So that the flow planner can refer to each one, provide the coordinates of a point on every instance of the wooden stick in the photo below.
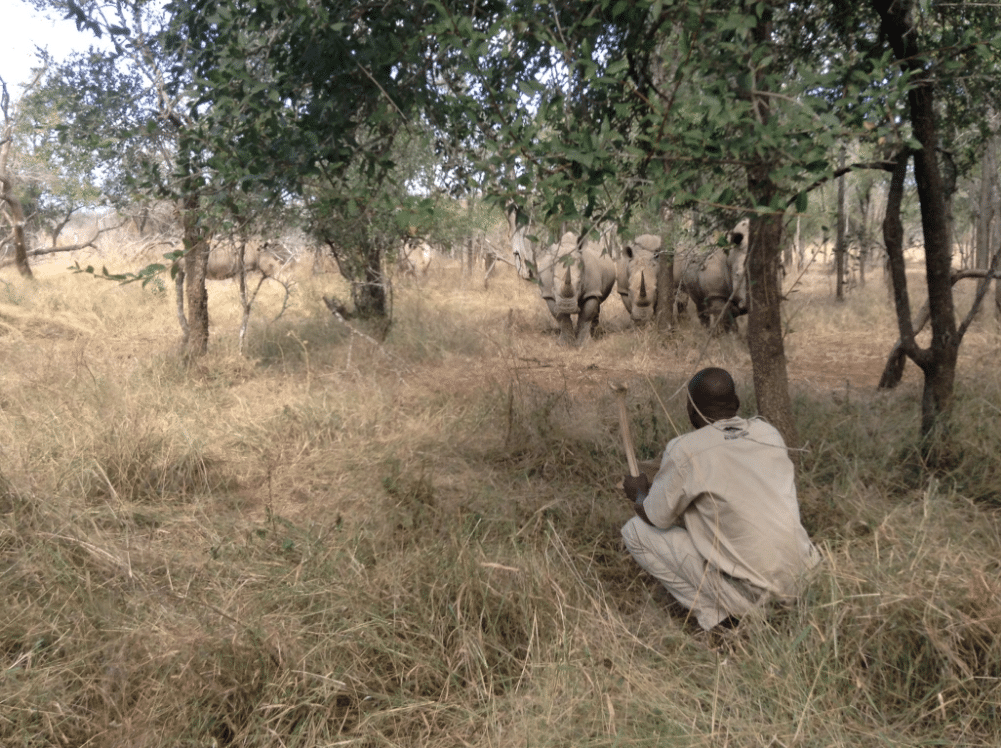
(620, 391)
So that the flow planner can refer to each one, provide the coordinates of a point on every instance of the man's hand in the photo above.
(636, 487)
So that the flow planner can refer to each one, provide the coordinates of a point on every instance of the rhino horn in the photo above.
(567, 290)
(642, 287)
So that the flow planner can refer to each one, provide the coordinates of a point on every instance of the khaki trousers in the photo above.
(670, 556)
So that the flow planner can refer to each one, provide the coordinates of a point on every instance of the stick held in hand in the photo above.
(620, 391)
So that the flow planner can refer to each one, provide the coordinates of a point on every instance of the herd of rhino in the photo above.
(575, 278)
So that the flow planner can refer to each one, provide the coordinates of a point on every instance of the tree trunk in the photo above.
(196, 262)
(982, 247)
(800, 260)
(893, 240)
(764, 327)
(938, 362)
(764, 261)
(667, 286)
(997, 299)
(369, 293)
(940, 367)
(839, 246)
(7, 185)
(993, 230)
(17, 219)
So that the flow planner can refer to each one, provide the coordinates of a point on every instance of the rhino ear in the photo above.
(628, 251)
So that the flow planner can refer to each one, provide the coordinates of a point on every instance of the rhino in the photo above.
(717, 281)
(636, 277)
(224, 262)
(414, 258)
(575, 280)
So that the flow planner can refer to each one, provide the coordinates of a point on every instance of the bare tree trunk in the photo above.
(17, 216)
(7, 184)
(839, 246)
(8, 196)
(997, 299)
(993, 227)
(196, 261)
(369, 293)
(764, 327)
(800, 258)
(241, 276)
(667, 287)
(985, 206)
(179, 300)
(893, 240)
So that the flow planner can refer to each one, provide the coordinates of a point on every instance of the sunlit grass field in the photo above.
(353, 537)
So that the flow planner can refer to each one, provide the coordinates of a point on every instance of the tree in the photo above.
(146, 82)
(308, 101)
(8, 183)
(925, 49)
(81, 138)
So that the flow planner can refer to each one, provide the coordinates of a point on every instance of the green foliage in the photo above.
(149, 276)
(650, 104)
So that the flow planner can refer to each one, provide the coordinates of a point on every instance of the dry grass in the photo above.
(329, 542)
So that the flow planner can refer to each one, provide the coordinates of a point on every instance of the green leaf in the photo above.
(802, 202)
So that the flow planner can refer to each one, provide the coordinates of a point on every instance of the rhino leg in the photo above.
(718, 309)
(566, 330)
(587, 320)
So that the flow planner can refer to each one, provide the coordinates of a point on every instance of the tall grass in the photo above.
(342, 541)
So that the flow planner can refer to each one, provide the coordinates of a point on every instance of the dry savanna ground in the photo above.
(345, 538)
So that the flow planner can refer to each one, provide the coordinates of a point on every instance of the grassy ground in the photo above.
(336, 542)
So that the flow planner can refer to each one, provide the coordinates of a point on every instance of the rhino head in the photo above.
(567, 275)
(638, 277)
(568, 285)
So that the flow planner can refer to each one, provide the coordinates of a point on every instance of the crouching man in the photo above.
(719, 526)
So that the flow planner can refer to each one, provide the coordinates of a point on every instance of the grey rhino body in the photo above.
(575, 281)
(636, 277)
(224, 262)
(415, 258)
(717, 281)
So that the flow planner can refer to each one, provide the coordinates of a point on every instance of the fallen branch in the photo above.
(65, 248)
(341, 314)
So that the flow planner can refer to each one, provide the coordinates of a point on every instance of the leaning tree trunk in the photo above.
(893, 240)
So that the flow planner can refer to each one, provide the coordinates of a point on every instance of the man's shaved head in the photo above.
(712, 396)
